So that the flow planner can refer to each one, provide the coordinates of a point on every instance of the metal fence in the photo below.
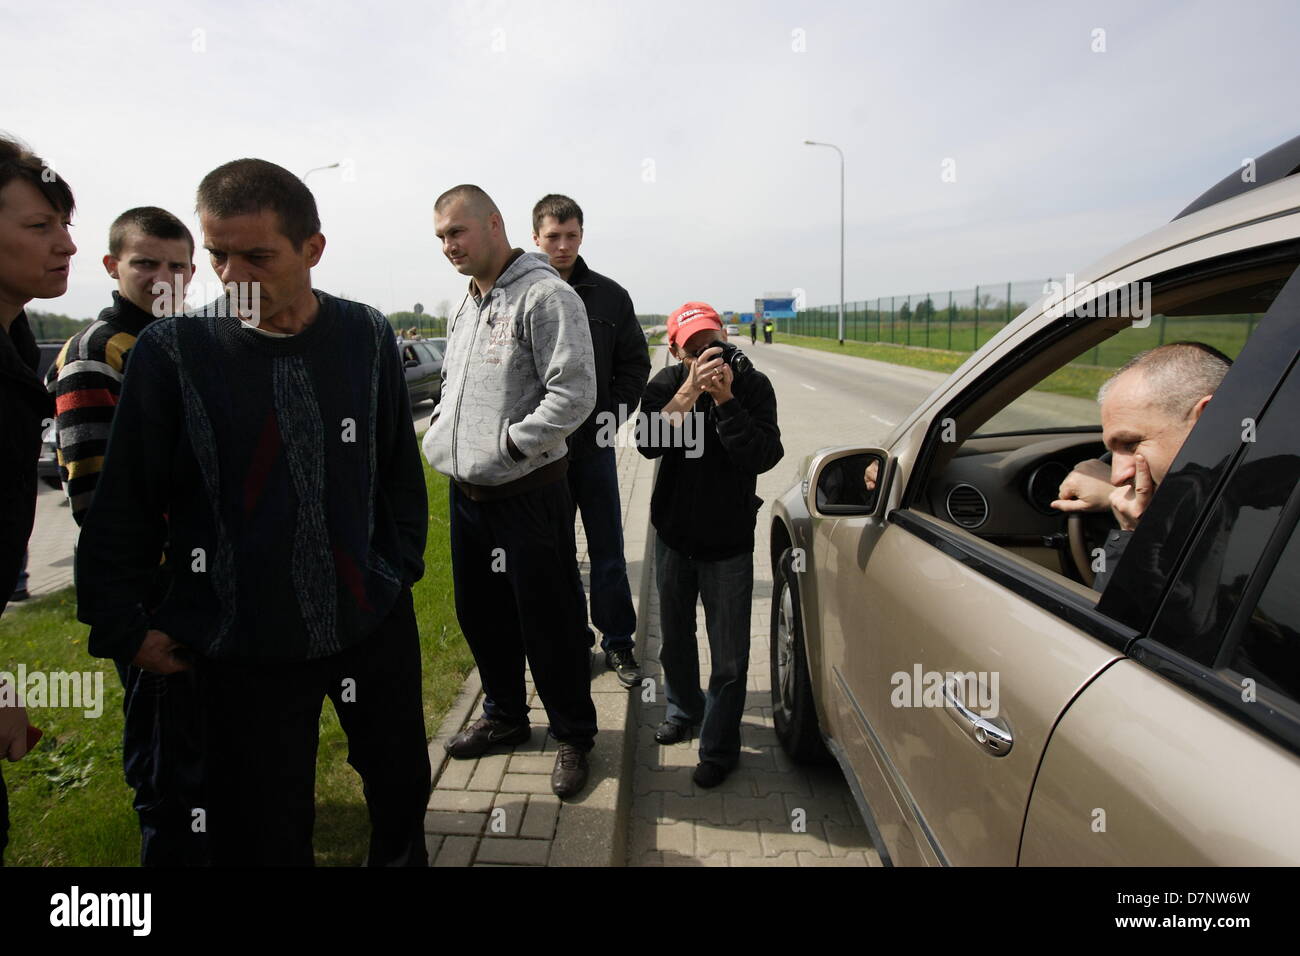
(965, 319)
(427, 326)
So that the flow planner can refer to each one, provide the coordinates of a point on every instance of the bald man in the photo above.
(519, 378)
(1148, 408)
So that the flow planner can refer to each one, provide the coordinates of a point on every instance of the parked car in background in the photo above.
(933, 626)
(422, 360)
(47, 466)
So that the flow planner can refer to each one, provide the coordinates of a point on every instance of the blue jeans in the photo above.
(726, 588)
(593, 484)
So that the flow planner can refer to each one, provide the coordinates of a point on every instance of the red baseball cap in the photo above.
(689, 319)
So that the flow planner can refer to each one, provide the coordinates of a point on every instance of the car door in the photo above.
(936, 618)
(925, 620)
(1187, 753)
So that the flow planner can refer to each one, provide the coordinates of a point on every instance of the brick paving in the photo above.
(499, 809)
(768, 812)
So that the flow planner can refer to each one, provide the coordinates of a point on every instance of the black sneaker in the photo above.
(484, 735)
(624, 665)
(709, 774)
(671, 732)
(22, 594)
(570, 773)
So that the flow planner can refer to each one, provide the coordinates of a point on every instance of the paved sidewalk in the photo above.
(49, 550)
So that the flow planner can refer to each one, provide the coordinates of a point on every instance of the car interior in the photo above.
(1017, 440)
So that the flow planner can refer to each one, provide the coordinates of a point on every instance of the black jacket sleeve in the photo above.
(658, 393)
(125, 529)
(631, 362)
(400, 489)
(747, 426)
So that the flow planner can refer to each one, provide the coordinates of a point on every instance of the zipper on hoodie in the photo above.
(464, 374)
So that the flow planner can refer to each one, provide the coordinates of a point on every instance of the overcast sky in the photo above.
(677, 126)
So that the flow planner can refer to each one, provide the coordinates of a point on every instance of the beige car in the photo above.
(933, 625)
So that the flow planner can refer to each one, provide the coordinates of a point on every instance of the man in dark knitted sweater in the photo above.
(277, 459)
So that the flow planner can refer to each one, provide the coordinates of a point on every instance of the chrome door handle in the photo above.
(992, 734)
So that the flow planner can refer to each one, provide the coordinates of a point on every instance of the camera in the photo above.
(730, 355)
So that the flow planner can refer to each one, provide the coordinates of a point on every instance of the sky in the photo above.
(984, 142)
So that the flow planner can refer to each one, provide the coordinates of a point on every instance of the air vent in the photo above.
(967, 507)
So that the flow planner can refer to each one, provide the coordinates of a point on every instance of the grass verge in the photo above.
(68, 802)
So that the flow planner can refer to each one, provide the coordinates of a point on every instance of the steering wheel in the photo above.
(1079, 541)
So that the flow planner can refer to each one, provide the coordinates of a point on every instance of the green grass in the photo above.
(1081, 379)
(932, 359)
(68, 802)
(656, 339)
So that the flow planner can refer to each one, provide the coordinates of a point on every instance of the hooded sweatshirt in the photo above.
(519, 364)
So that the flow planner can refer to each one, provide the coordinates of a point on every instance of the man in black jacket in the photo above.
(35, 254)
(622, 367)
(703, 510)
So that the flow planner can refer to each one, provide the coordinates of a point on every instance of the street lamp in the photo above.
(809, 142)
(318, 169)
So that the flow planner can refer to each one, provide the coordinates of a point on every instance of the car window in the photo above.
(993, 464)
(430, 354)
(1266, 649)
(408, 354)
(1223, 317)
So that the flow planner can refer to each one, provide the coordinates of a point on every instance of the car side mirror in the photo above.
(410, 363)
(851, 484)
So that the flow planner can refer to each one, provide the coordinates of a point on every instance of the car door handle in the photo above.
(992, 734)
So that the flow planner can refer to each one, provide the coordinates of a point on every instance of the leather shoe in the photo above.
(484, 735)
(570, 773)
(623, 664)
(671, 732)
(709, 774)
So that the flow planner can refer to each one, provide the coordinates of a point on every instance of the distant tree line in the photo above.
(53, 326)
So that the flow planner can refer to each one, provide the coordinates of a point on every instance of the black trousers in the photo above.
(162, 757)
(262, 728)
(518, 594)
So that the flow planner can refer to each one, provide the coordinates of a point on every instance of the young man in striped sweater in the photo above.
(151, 255)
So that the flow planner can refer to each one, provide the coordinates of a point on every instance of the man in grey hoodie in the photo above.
(518, 378)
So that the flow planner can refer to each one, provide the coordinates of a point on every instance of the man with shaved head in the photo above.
(519, 378)
(1148, 408)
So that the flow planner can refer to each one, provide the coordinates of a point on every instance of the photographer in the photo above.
(703, 511)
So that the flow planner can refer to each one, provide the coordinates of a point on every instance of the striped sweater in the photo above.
(86, 382)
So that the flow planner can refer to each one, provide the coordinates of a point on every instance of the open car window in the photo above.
(995, 464)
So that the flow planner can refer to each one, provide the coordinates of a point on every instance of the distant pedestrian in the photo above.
(622, 368)
(518, 380)
(703, 510)
(753, 332)
(768, 329)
